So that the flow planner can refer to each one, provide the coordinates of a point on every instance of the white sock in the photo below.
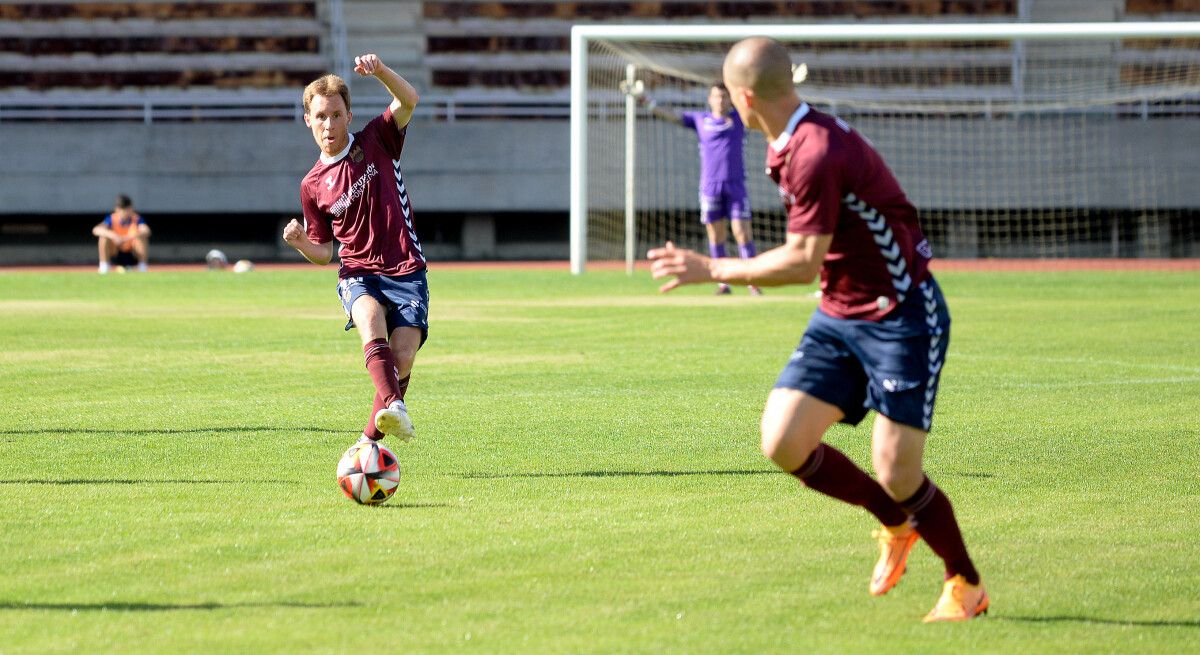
(142, 267)
(103, 267)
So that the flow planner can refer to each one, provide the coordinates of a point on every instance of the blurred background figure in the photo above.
(124, 237)
(216, 260)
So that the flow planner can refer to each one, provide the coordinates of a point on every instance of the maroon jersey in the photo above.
(358, 197)
(834, 182)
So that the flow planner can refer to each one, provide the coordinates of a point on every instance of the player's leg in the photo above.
(141, 250)
(369, 316)
(820, 386)
(717, 234)
(712, 215)
(896, 451)
(107, 250)
(405, 341)
(744, 235)
(407, 299)
(403, 353)
(793, 424)
(904, 357)
(897, 461)
(392, 418)
(792, 427)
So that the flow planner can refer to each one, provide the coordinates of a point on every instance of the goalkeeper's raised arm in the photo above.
(665, 114)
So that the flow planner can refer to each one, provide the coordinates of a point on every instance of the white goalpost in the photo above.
(1022, 140)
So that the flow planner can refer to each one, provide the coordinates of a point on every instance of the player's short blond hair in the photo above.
(327, 85)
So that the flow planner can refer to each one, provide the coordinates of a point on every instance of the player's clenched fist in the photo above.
(368, 64)
(293, 232)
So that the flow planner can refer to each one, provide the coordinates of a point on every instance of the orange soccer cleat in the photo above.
(960, 601)
(894, 546)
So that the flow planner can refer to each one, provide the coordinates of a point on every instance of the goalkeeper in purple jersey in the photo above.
(723, 197)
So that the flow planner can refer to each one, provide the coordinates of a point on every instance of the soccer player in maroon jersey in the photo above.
(878, 339)
(355, 195)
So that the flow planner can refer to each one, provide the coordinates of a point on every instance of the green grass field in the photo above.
(586, 476)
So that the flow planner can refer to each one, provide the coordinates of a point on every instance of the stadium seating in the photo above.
(122, 45)
(472, 43)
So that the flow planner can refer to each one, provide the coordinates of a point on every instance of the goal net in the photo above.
(1013, 140)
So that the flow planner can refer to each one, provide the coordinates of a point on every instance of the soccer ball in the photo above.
(368, 473)
(243, 266)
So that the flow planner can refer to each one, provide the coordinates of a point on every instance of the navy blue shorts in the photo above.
(891, 366)
(404, 297)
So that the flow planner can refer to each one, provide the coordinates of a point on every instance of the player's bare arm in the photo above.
(317, 253)
(797, 261)
(103, 232)
(404, 96)
(665, 114)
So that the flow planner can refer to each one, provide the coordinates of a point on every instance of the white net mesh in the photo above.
(1040, 149)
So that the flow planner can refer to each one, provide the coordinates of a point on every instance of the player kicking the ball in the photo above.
(355, 194)
(878, 339)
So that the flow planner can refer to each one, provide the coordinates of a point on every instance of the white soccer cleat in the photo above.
(393, 420)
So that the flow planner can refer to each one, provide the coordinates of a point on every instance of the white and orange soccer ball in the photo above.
(368, 473)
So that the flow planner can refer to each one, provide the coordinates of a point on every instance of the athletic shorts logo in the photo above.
(344, 287)
(892, 385)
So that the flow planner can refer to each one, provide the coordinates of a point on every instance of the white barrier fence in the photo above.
(163, 107)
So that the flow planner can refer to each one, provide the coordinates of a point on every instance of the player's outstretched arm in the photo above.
(797, 261)
(665, 114)
(404, 96)
(317, 253)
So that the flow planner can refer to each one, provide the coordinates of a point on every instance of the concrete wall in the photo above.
(256, 167)
(484, 167)
(489, 166)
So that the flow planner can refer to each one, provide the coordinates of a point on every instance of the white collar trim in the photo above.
(326, 159)
(782, 140)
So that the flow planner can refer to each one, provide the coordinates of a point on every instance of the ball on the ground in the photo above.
(368, 473)
(243, 266)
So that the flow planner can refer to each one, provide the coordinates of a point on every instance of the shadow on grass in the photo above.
(162, 607)
(617, 474)
(119, 481)
(234, 428)
(1092, 620)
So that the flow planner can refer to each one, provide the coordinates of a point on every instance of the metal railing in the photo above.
(150, 108)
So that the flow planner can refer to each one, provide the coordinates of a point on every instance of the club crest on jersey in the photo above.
(356, 153)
